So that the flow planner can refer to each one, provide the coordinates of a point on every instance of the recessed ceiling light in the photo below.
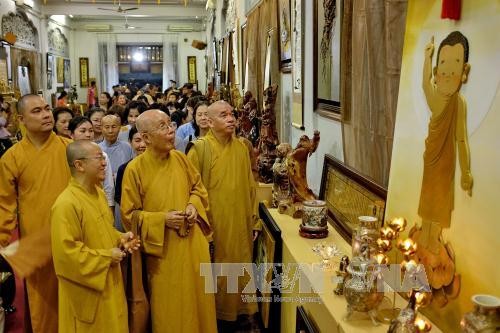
(71, 16)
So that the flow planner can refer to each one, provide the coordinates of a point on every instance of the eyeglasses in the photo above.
(163, 126)
(98, 158)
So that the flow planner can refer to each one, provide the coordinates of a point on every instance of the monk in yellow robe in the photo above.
(164, 198)
(32, 174)
(87, 249)
(447, 134)
(225, 167)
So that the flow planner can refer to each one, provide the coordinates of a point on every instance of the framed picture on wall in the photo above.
(60, 69)
(84, 72)
(244, 65)
(50, 62)
(285, 40)
(302, 322)
(50, 76)
(297, 63)
(269, 251)
(191, 63)
(326, 61)
(67, 73)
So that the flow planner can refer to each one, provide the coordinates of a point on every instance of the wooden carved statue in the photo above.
(282, 194)
(297, 166)
(236, 99)
(225, 93)
(268, 136)
(248, 121)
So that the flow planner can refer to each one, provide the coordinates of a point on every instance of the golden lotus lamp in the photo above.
(387, 233)
(407, 246)
(423, 298)
(384, 245)
(398, 224)
(422, 325)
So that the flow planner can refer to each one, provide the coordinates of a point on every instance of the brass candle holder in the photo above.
(408, 247)
(422, 325)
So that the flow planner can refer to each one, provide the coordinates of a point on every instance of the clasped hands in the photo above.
(128, 244)
(175, 219)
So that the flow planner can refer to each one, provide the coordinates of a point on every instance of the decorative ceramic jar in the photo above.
(486, 315)
(367, 231)
(360, 287)
(314, 219)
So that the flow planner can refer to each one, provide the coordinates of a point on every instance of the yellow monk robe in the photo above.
(233, 212)
(91, 292)
(30, 181)
(151, 188)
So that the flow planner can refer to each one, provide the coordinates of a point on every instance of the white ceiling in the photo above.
(190, 3)
(166, 10)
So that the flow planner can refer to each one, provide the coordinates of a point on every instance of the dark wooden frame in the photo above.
(189, 65)
(285, 65)
(331, 162)
(327, 108)
(84, 75)
(275, 306)
(303, 323)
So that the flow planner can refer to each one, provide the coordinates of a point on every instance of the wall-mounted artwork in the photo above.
(67, 73)
(327, 34)
(244, 45)
(285, 38)
(446, 147)
(23, 80)
(60, 69)
(191, 67)
(50, 62)
(297, 63)
(84, 72)
(50, 76)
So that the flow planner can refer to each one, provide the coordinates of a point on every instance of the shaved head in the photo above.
(216, 107)
(146, 120)
(78, 149)
(111, 118)
(22, 104)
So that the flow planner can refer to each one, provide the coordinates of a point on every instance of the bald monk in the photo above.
(87, 249)
(224, 164)
(32, 174)
(447, 135)
(164, 199)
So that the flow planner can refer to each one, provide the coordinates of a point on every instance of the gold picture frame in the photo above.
(84, 72)
(60, 69)
(192, 75)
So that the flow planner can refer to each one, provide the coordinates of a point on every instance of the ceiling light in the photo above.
(71, 16)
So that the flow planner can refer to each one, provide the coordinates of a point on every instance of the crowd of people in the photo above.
(155, 184)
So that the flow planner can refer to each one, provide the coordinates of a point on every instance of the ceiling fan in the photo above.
(119, 10)
(129, 26)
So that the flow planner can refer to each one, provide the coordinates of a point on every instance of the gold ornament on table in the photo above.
(422, 326)
(408, 247)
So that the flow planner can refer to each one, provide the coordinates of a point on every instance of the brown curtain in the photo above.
(371, 64)
(259, 22)
(19, 57)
